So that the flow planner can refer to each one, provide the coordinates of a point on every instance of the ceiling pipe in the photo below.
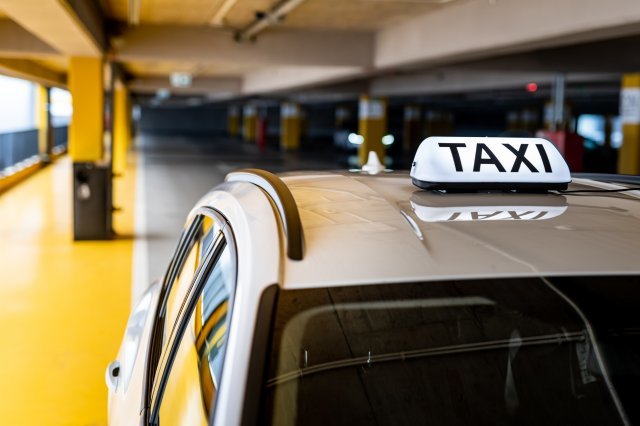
(218, 18)
(263, 21)
(134, 13)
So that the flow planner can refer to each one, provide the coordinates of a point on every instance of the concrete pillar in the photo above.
(629, 154)
(43, 118)
(438, 123)
(304, 124)
(372, 126)
(608, 129)
(513, 121)
(121, 127)
(290, 126)
(412, 131)
(529, 120)
(87, 124)
(233, 121)
(551, 122)
(342, 116)
(557, 113)
(249, 123)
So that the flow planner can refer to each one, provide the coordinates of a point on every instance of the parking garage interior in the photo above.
(116, 116)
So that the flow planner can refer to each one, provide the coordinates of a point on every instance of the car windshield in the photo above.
(493, 351)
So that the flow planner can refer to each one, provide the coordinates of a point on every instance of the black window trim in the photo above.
(151, 401)
(218, 245)
(155, 346)
(260, 345)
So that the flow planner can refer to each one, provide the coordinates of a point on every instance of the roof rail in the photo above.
(279, 192)
(609, 177)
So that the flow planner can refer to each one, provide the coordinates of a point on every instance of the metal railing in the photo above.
(61, 137)
(16, 147)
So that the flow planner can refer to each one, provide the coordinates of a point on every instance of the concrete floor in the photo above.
(64, 304)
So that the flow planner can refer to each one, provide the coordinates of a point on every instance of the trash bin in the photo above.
(92, 202)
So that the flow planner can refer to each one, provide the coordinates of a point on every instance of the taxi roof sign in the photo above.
(470, 164)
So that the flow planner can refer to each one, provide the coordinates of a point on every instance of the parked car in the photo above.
(485, 286)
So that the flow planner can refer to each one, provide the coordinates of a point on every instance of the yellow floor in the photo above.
(63, 305)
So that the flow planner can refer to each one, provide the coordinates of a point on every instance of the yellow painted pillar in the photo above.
(629, 154)
(87, 126)
(372, 126)
(249, 123)
(43, 122)
(233, 121)
(129, 121)
(290, 126)
(121, 128)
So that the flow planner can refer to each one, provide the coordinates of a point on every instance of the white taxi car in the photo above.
(476, 289)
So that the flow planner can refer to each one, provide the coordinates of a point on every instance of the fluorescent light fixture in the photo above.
(355, 139)
(163, 94)
(218, 18)
(388, 140)
(134, 12)
(180, 79)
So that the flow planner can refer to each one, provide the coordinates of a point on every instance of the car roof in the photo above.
(366, 229)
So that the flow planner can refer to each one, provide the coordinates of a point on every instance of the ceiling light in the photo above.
(180, 79)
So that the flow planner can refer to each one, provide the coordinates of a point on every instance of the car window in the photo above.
(491, 351)
(201, 240)
(195, 372)
(196, 241)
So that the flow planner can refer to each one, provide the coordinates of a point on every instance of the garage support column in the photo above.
(92, 195)
(412, 136)
(233, 121)
(290, 126)
(249, 123)
(372, 126)
(629, 154)
(557, 112)
(342, 117)
(86, 130)
(121, 127)
(43, 117)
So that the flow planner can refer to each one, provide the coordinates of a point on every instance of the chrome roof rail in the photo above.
(279, 192)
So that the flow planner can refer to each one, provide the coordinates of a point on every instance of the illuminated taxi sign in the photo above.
(489, 163)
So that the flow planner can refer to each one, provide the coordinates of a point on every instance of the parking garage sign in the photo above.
(630, 105)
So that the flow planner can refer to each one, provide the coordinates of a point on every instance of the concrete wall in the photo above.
(204, 120)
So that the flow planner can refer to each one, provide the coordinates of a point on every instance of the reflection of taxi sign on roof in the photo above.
(489, 163)
(430, 207)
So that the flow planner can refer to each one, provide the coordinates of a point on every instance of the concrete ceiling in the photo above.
(311, 14)
(394, 45)
(196, 69)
